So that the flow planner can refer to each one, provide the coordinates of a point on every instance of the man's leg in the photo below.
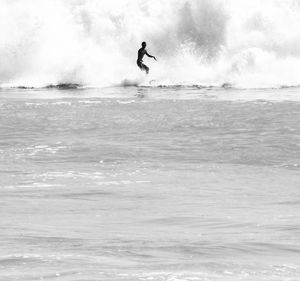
(143, 67)
(146, 68)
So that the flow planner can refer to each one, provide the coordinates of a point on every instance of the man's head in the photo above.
(144, 45)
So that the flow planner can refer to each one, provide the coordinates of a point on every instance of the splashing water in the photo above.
(245, 43)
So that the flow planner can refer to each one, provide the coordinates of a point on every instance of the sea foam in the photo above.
(247, 44)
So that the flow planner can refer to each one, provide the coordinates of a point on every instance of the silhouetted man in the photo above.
(141, 53)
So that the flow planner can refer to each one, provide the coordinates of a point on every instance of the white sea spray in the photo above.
(242, 43)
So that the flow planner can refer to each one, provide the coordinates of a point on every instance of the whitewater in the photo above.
(244, 44)
(188, 174)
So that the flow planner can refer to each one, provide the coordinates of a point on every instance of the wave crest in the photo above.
(246, 44)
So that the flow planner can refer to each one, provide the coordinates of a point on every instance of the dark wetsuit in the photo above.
(141, 65)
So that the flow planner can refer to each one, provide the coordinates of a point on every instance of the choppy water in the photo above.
(149, 184)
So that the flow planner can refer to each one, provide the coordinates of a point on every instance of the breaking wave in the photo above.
(248, 44)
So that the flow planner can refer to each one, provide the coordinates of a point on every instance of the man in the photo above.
(141, 53)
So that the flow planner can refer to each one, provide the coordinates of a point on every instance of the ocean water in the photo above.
(166, 184)
(192, 174)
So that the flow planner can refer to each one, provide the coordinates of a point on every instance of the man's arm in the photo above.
(150, 56)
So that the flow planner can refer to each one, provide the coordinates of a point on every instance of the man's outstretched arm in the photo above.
(150, 56)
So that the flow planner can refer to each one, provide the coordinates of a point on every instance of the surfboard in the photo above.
(130, 83)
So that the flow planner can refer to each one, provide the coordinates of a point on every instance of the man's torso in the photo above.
(141, 54)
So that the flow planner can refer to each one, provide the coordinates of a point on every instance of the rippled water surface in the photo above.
(149, 184)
